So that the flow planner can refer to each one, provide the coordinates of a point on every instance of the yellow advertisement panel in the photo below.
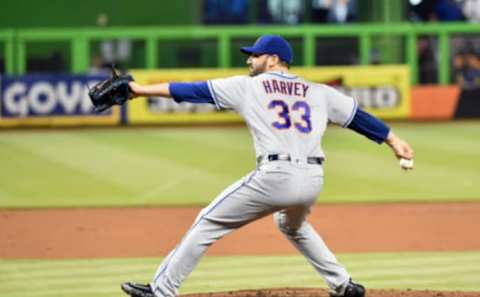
(110, 118)
(162, 110)
(382, 90)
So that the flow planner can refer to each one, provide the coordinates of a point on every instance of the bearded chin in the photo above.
(259, 69)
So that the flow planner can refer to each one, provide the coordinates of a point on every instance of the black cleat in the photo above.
(352, 290)
(137, 290)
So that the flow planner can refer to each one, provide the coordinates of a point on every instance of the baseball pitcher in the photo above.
(287, 117)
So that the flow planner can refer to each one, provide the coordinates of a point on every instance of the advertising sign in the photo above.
(50, 100)
(382, 90)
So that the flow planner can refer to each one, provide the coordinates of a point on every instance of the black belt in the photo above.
(286, 157)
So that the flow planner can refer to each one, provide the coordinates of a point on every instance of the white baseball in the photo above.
(406, 164)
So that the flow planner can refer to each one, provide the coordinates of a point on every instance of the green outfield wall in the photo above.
(58, 13)
(62, 13)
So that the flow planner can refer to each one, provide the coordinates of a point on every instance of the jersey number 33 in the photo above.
(303, 125)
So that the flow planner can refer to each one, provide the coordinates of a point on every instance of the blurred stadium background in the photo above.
(415, 64)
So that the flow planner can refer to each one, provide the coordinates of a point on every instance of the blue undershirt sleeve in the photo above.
(195, 92)
(369, 126)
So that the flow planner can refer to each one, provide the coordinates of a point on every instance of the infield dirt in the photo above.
(301, 292)
(141, 232)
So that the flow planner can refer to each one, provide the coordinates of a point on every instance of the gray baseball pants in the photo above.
(286, 188)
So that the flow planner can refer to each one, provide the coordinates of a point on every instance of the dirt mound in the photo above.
(302, 292)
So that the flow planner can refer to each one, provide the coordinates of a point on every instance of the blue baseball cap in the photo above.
(270, 45)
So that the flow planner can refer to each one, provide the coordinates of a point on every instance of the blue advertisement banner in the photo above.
(36, 96)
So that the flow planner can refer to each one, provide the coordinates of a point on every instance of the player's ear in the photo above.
(274, 60)
(277, 59)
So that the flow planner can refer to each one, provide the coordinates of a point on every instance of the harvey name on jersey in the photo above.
(291, 88)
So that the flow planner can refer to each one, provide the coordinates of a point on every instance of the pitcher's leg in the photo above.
(236, 206)
(181, 261)
(303, 236)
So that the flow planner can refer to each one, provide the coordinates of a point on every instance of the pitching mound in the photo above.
(301, 292)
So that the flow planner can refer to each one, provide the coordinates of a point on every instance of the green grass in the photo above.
(190, 166)
(101, 277)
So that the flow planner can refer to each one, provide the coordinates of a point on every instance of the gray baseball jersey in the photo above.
(284, 113)
(287, 117)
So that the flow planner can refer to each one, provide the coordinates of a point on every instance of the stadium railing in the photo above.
(80, 40)
(7, 43)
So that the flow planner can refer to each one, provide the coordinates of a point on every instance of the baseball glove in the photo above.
(112, 91)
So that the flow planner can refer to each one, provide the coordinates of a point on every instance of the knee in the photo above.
(284, 225)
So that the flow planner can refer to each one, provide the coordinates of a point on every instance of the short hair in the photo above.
(284, 64)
